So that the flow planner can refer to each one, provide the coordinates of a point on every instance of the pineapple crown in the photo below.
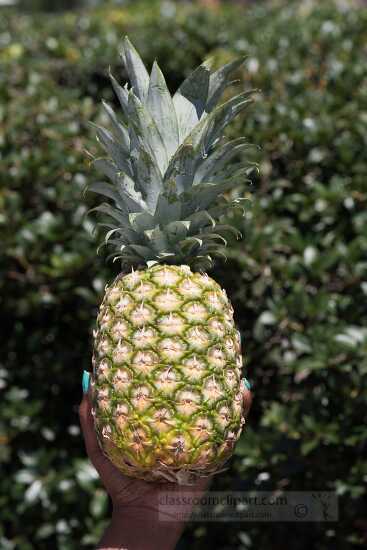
(167, 163)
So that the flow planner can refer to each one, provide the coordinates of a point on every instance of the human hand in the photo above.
(138, 522)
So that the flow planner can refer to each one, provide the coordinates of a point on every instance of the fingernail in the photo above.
(85, 381)
(246, 383)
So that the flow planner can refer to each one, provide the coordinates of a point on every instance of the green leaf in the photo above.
(121, 93)
(206, 237)
(141, 222)
(157, 239)
(182, 168)
(136, 70)
(204, 194)
(122, 184)
(120, 129)
(176, 231)
(108, 191)
(133, 198)
(219, 158)
(148, 179)
(167, 210)
(219, 81)
(146, 129)
(107, 168)
(190, 100)
(114, 213)
(201, 219)
(159, 103)
(211, 127)
(115, 150)
(142, 251)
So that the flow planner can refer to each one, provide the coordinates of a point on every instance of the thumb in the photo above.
(109, 474)
(247, 396)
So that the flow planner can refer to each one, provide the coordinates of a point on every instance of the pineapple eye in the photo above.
(166, 277)
(171, 324)
(141, 398)
(187, 403)
(119, 331)
(142, 315)
(213, 301)
(122, 352)
(190, 289)
(144, 337)
(145, 361)
(216, 327)
(172, 349)
(231, 379)
(198, 338)
(103, 369)
(132, 279)
(216, 357)
(113, 295)
(122, 410)
(124, 303)
(143, 291)
(212, 390)
(193, 369)
(195, 312)
(104, 346)
(167, 301)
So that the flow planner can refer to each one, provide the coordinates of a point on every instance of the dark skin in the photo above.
(138, 522)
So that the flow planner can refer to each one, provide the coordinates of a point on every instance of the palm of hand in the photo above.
(137, 495)
(127, 492)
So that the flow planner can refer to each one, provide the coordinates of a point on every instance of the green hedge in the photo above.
(297, 280)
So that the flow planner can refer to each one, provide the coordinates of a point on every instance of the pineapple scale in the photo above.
(167, 362)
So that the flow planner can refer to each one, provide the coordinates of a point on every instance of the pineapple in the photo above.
(166, 390)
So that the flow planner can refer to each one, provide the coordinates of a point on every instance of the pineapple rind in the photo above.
(167, 403)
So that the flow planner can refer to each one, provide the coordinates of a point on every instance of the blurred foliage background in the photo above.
(298, 279)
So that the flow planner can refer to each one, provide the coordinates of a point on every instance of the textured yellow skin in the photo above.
(167, 369)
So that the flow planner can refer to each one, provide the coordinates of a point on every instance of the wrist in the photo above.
(140, 528)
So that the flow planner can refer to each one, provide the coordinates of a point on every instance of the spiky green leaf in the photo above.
(115, 150)
(211, 127)
(176, 231)
(141, 222)
(146, 129)
(120, 130)
(157, 239)
(167, 210)
(108, 191)
(220, 157)
(143, 252)
(159, 103)
(113, 213)
(148, 178)
(191, 98)
(136, 70)
(219, 81)
(121, 93)
(182, 167)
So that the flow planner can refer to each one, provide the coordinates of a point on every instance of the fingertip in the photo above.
(246, 384)
(85, 381)
(247, 398)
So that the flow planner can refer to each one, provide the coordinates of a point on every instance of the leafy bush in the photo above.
(297, 280)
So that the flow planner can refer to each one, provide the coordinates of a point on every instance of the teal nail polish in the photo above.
(85, 381)
(247, 384)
